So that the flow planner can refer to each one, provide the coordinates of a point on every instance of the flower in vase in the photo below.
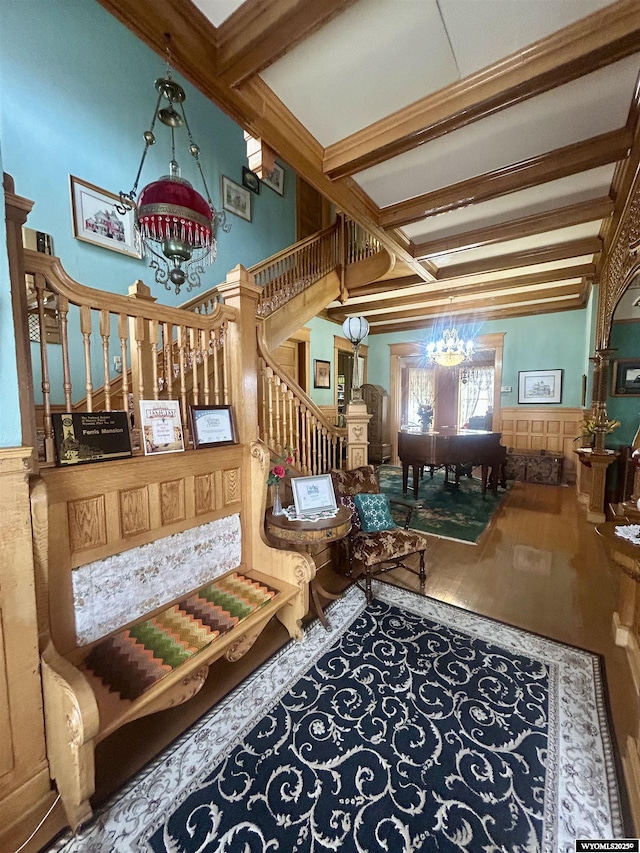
(278, 472)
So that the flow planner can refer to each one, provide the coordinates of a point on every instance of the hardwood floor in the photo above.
(540, 566)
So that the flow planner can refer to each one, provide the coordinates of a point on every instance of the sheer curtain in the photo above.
(421, 389)
(476, 393)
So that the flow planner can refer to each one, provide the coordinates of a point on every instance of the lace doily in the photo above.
(292, 515)
(630, 532)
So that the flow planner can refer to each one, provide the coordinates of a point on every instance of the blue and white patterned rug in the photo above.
(411, 726)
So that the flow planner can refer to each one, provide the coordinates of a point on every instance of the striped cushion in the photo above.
(132, 660)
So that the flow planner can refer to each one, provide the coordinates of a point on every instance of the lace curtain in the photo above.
(476, 393)
(421, 389)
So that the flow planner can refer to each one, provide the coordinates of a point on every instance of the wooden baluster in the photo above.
(325, 467)
(167, 359)
(308, 440)
(270, 438)
(105, 334)
(204, 346)
(296, 426)
(63, 316)
(216, 370)
(302, 439)
(195, 353)
(278, 418)
(225, 365)
(154, 337)
(291, 434)
(85, 328)
(44, 365)
(182, 346)
(123, 334)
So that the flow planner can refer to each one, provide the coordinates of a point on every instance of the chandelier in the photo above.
(175, 223)
(450, 350)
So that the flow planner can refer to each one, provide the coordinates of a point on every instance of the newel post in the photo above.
(239, 291)
(357, 419)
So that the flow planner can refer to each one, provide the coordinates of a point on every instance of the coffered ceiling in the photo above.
(489, 144)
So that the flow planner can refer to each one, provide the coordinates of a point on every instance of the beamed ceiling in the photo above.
(489, 144)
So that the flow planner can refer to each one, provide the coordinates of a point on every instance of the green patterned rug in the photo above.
(461, 513)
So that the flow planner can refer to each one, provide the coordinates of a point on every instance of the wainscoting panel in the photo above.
(543, 428)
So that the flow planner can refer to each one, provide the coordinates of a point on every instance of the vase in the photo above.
(276, 509)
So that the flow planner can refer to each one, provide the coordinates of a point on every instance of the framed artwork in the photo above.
(96, 219)
(275, 179)
(250, 180)
(321, 374)
(539, 386)
(313, 494)
(161, 426)
(626, 378)
(212, 426)
(236, 199)
(90, 436)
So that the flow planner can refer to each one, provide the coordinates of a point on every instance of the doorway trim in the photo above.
(494, 341)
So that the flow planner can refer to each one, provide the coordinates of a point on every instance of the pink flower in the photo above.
(278, 471)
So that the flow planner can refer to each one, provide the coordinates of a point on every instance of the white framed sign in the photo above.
(313, 494)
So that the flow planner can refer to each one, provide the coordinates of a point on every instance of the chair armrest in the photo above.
(408, 505)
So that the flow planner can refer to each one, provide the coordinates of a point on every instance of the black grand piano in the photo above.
(452, 449)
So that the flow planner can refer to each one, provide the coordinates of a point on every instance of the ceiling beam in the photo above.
(449, 290)
(569, 160)
(570, 304)
(563, 217)
(529, 257)
(261, 31)
(602, 38)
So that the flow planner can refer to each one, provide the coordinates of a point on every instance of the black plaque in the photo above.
(91, 436)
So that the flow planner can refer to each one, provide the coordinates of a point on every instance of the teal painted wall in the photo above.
(77, 94)
(10, 430)
(547, 341)
(625, 339)
(321, 347)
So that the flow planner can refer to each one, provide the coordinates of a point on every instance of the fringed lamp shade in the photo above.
(172, 214)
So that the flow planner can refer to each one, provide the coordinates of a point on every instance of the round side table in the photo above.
(304, 535)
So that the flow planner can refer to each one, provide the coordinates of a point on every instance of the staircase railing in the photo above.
(296, 268)
(288, 418)
(165, 353)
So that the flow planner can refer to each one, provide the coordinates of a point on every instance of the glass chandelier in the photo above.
(450, 350)
(176, 224)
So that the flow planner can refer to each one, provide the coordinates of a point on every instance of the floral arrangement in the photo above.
(589, 427)
(279, 471)
(425, 411)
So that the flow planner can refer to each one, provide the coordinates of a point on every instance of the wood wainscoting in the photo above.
(543, 428)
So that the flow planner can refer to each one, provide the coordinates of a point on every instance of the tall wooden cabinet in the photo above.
(377, 401)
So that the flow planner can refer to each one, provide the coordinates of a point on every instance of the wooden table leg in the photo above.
(318, 590)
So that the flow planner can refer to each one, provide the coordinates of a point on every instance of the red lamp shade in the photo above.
(169, 209)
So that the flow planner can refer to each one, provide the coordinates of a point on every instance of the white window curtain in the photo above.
(421, 390)
(476, 393)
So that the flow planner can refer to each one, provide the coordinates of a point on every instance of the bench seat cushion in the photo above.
(132, 660)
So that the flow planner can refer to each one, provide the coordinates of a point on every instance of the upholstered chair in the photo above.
(376, 543)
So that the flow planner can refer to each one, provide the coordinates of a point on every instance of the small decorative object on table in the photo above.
(277, 473)
(425, 413)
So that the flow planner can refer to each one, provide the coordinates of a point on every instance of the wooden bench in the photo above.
(124, 549)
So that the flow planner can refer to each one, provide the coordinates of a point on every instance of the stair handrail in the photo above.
(290, 419)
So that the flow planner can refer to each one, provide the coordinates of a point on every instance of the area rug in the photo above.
(452, 512)
(411, 725)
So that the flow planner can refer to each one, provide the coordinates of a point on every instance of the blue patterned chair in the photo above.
(376, 543)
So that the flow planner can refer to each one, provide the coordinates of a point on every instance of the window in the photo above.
(475, 395)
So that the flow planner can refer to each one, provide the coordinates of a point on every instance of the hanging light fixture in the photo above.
(450, 350)
(355, 329)
(176, 224)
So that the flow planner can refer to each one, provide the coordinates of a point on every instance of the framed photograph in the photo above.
(161, 426)
(236, 199)
(313, 494)
(626, 378)
(321, 374)
(275, 179)
(539, 386)
(212, 426)
(250, 180)
(96, 220)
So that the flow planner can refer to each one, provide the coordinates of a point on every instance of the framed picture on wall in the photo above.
(321, 374)
(97, 220)
(236, 199)
(539, 386)
(275, 179)
(626, 378)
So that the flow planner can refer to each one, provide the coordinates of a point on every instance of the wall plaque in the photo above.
(90, 436)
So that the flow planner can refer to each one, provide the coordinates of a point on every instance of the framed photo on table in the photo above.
(626, 377)
(539, 386)
(313, 494)
(96, 219)
(212, 426)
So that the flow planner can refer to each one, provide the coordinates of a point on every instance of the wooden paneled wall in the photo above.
(543, 428)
